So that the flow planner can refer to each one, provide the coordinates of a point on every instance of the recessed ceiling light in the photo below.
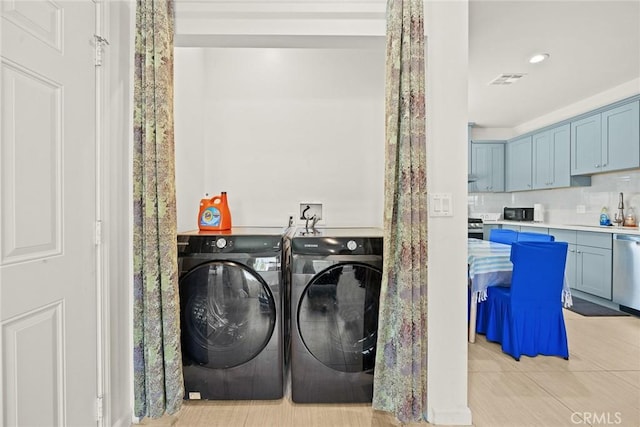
(538, 58)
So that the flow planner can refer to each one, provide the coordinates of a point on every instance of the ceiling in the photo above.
(593, 46)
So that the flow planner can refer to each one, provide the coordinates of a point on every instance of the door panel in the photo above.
(585, 145)
(48, 304)
(595, 271)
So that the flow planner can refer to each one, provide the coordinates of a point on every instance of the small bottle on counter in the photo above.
(604, 216)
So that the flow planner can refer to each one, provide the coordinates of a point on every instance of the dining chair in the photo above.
(525, 236)
(526, 318)
(503, 235)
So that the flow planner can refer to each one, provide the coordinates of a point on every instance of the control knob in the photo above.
(352, 245)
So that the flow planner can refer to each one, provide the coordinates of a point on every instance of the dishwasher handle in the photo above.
(627, 237)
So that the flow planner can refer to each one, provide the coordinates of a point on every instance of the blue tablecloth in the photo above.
(489, 265)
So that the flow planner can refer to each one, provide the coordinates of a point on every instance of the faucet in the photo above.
(619, 216)
(313, 219)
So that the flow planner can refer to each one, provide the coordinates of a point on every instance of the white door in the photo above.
(48, 350)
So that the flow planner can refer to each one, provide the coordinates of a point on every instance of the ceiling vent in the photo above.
(506, 79)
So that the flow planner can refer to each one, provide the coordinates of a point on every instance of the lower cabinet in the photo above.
(589, 261)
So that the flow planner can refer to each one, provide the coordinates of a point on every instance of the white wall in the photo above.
(189, 114)
(117, 215)
(279, 127)
(446, 26)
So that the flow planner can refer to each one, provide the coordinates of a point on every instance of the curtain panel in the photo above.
(400, 379)
(158, 382)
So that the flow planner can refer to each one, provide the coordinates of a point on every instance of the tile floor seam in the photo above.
(557, 399)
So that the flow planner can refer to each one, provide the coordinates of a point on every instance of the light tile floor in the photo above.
(598, 386)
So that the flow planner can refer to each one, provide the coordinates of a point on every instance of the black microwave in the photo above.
(518, 214)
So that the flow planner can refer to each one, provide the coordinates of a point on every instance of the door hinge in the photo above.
(98, 233)
(100, 42)
(99, 408)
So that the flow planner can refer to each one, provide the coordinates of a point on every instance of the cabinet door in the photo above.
(560, 141)
(542, 160)
(487, 165)
(586, 136)
(570, 268)
(518, 165)
(594, 271)
(621, 137)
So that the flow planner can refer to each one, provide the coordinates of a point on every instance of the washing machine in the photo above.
(335, 292)
(231, 308)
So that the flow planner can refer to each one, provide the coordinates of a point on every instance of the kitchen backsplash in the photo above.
(561, 205)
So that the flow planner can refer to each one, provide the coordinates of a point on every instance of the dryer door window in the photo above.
(228, 315)
(338, 316)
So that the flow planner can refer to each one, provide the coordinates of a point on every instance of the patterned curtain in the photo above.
(158, 383)
(400, 380)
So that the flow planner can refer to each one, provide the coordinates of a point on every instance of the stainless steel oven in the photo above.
(474, 226)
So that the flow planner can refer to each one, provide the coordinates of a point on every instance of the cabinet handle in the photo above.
(577, 251)
(571, 250)
(604, 165)
(597, 165)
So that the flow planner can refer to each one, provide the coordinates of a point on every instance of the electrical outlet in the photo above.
(308, 210)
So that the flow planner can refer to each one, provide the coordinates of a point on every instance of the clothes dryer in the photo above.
(335, 292)
(231, 302)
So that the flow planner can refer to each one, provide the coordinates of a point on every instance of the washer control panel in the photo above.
(221, 243)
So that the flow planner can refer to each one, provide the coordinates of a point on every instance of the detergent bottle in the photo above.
(214, 213)
(604, 216)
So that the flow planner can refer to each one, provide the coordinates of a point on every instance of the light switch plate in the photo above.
(440, 204)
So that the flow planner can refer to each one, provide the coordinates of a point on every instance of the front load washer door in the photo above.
(228, 315)
(338, 316)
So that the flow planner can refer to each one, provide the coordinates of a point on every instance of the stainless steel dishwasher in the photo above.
(626, 272)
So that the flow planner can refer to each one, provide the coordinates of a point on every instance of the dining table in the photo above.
(489, 264)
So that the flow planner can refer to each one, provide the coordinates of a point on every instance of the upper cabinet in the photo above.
(564, 155)
(518, 174)
(551, 158)
(487, 167)
(606, 141)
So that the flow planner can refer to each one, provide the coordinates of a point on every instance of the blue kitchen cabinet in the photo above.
(586, 141)
(487, 167)
(594, 270)
(518, 174)
(551, 158)
(621, 137)
(606, 141)
(589, 261)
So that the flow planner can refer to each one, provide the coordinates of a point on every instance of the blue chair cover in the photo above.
(503, 235)
(527, 317)
(525, 236)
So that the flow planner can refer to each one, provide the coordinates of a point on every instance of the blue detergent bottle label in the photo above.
(210, 217)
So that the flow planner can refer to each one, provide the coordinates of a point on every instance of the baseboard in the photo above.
(448, 417)
(125, 420)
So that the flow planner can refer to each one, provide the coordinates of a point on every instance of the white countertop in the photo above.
(595, 228)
